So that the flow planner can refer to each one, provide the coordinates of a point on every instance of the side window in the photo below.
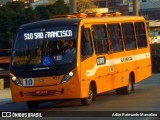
(129, 36)
(100, 38)
(141, 34)
(86, 43)
(115, 37)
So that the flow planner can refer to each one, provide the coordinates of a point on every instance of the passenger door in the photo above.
(88, 60)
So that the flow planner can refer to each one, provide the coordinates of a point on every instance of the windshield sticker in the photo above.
(21, 60)
(58, 57)
(46, 60)
(48, 34)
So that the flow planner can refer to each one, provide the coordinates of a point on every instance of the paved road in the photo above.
(146, 97)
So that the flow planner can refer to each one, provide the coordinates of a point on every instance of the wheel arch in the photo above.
(132, 75)
(94, 86)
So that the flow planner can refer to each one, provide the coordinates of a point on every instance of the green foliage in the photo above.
(14, 14)
(42, 9)
(60, 7)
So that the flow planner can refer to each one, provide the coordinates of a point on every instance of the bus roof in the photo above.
(114, 19)
(62, 21)
(51, 23)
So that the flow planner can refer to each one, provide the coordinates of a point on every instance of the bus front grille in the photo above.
(40, 93)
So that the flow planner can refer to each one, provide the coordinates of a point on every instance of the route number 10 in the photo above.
(28, 82)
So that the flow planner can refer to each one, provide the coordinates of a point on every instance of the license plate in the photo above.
(41, 92)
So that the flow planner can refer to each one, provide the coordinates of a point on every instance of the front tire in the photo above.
(88, 100)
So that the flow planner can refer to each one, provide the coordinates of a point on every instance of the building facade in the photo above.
(150, 9)
(113, 5)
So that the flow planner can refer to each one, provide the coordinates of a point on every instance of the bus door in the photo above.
(88, 61)
(98, 66)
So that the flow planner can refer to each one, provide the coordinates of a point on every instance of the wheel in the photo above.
(32, 104)
(127, 89)
(88, 100)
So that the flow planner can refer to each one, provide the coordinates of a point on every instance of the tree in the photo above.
(4, 31)
(42, 12)
(12, 15)
(85, 6)
(59, 7)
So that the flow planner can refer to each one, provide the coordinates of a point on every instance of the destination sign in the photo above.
(47, 34)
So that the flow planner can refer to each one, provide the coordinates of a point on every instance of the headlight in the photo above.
(68, 76)
(16, 80)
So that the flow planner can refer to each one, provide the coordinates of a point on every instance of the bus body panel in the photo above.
(108, 80)
(137, 61)
(47, 92)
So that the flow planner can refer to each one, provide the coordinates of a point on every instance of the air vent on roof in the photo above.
(84, 15)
